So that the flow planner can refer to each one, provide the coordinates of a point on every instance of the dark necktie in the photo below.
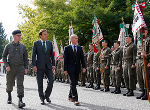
(75, 50)
(44, 48)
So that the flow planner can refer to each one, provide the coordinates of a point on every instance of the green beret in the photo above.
(129, 35)
(105, 41)
(16, 32)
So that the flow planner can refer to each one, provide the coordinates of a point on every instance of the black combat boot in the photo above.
(106, 89)
(145, 97)
(118, 91)
(97, 87)
(130, 93)
(125, 94)
(9, 101)
(20, 103)
(90, 85)
(141, 95)
(114, 90)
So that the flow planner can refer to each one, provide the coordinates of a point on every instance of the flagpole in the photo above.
(99, 48)
(145, 67)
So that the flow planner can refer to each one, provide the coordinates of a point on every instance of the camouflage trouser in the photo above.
(141, 74)
(129, 75)
(90, 75)
(97, 76)
(106, 73)
(16, 72)
(83, 77)
(116, 76)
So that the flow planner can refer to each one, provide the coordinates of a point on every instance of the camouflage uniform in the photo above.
(18, 62)
(90, 68)
(106, 54)
(96, 65)
(116, 74)
(83, 75)
(140, 67)
(129, 59)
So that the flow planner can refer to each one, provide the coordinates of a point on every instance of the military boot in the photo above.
(97, 87)
(20, 102)
(130, 93)
(141, 95)
(118, 91)
(125, 94)
(106, 89)
(114, 90)
(145, 97)
(9, 101)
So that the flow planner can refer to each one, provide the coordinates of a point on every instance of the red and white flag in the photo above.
(55, 49)
(138, 20)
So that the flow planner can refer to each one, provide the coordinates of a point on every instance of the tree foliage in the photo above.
(3, 40)
(55, 16)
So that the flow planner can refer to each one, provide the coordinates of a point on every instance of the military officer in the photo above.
(105, 57)
(15, 58)
(116, 67)
(129, 60)
(96, 70)
(140, 65)
(90, 66)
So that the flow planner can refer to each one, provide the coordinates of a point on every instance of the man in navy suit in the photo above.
(43, 63)
(73, 58)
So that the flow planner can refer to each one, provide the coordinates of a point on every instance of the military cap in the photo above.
(129, 35)
(16, 32)
(105, 41)
(116, 41)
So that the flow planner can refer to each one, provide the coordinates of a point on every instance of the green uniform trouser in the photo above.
(141, 74)
(16, 72)
(116, 76)
(129, 75)
(90, 75)
(106, 73)
(97, 76)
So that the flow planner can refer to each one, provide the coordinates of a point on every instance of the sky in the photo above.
(9, 14)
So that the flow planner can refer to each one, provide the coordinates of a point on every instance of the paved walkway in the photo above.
(89, 99)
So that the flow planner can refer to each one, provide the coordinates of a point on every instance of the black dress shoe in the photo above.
(42, 102)
(48, 100)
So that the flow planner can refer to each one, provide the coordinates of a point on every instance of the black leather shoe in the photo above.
(9, 101)
(130, 93)
(48, 100)
(42, 102)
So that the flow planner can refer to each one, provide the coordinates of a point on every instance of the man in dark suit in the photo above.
(73, 58)
(43, 63)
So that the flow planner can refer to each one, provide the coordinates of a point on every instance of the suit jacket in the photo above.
(40, 58)
(72, 63)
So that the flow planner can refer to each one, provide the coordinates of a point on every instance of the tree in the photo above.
(3, 40)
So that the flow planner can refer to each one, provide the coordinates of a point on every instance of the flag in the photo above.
(55, 49)
(70, 31)
(138, 20)
(61, 49)
(123, 33)
(97, 34)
